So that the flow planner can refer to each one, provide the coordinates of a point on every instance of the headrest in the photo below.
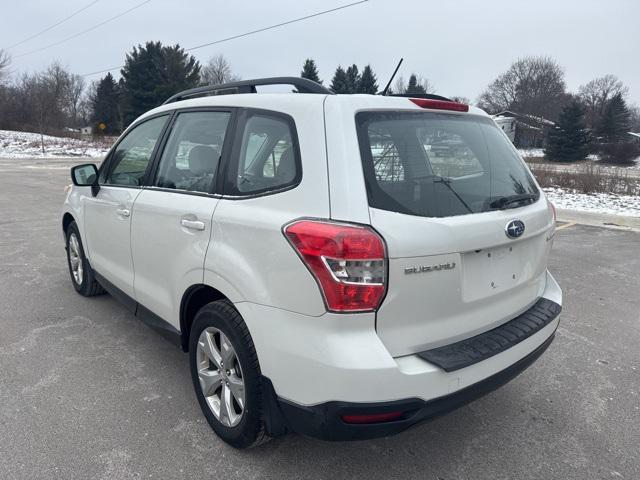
(203, 159)
(286, 171)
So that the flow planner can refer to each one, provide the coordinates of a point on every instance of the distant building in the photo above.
(86, 130)
(525, 131)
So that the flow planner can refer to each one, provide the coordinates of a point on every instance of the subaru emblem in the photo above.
(514, 229)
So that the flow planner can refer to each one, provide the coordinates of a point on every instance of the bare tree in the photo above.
(461, 99)
(400, 85)
(56, 79)
(423, 85)
(634, 118)
(74, 96)
(217, 71)
(426, 84)
(531, 85)
(85, 106)
(43, 91)
(595, 95)
(5, 61)
(40, 101)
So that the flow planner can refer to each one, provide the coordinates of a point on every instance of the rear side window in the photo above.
(439, 165)
(268, 158)
(130, 159)
(192, 153)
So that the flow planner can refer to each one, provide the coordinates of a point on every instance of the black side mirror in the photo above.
(86, 175)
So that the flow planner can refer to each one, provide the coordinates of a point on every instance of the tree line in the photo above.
(350, 80)
(595, 119)
(55, 99)
(598, 113)
(51, 99)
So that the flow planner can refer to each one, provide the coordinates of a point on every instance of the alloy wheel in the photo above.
(220, 376)
(75, 259)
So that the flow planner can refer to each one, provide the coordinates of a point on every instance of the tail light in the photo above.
(348, 262)
(440, 104)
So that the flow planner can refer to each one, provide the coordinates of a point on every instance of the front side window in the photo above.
(192, 153)
(440, 165)
(131, 156)
(268, 157)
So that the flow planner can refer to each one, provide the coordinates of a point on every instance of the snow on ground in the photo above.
(531, 152)
(539, 153)
(27, 145)
(607, 203)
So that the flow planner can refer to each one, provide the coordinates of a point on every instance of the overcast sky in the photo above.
(460, 45)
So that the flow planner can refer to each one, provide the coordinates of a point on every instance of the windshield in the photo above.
(440, 165)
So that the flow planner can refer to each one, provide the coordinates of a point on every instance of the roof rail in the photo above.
(430, 96)
(303, 85)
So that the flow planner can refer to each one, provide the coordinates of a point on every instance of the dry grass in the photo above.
(588, 178)
(536, 160)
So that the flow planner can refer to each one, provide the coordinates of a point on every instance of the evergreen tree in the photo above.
(179, 71)
(353, 79)
(310, 71)
(614, 123)
(152, 73)
(104, 106)
(569, 140)
(413, 86)
(339, 81)
(368, 82)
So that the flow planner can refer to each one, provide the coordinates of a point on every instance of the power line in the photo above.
(276, 25)
(54, 25)
(121, 14)
(252, 32)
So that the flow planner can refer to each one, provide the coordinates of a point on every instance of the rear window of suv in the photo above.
(440, 165)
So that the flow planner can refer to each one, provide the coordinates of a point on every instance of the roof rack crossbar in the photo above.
(302, 85)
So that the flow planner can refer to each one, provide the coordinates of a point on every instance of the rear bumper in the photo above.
(318, 368)
(324, 421)
(473, 350)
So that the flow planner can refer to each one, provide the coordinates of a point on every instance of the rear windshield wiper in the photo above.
(446, 181)
(503, 202)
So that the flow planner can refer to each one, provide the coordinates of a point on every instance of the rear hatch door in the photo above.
(468, 231)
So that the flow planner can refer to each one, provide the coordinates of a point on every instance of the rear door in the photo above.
(277, 173)
(172, 217)
(107, 216)
(442, 189)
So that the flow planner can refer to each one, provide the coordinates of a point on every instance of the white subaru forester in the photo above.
(342, 266)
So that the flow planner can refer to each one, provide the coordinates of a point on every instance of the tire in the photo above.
(240, 420)
(82, 278)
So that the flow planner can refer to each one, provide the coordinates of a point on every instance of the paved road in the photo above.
(87, 391)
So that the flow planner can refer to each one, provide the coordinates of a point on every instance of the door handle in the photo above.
(192, 224)
(123, 212)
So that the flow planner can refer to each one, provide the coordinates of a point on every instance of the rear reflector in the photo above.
(440, 104)
(372, 418)
(348, 262)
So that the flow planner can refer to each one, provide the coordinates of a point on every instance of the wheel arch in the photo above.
(193, 299)
(67, 218)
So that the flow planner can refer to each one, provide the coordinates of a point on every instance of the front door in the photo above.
(108, 215)
(171, 225)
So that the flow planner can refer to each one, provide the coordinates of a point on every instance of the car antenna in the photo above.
(386, 89)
